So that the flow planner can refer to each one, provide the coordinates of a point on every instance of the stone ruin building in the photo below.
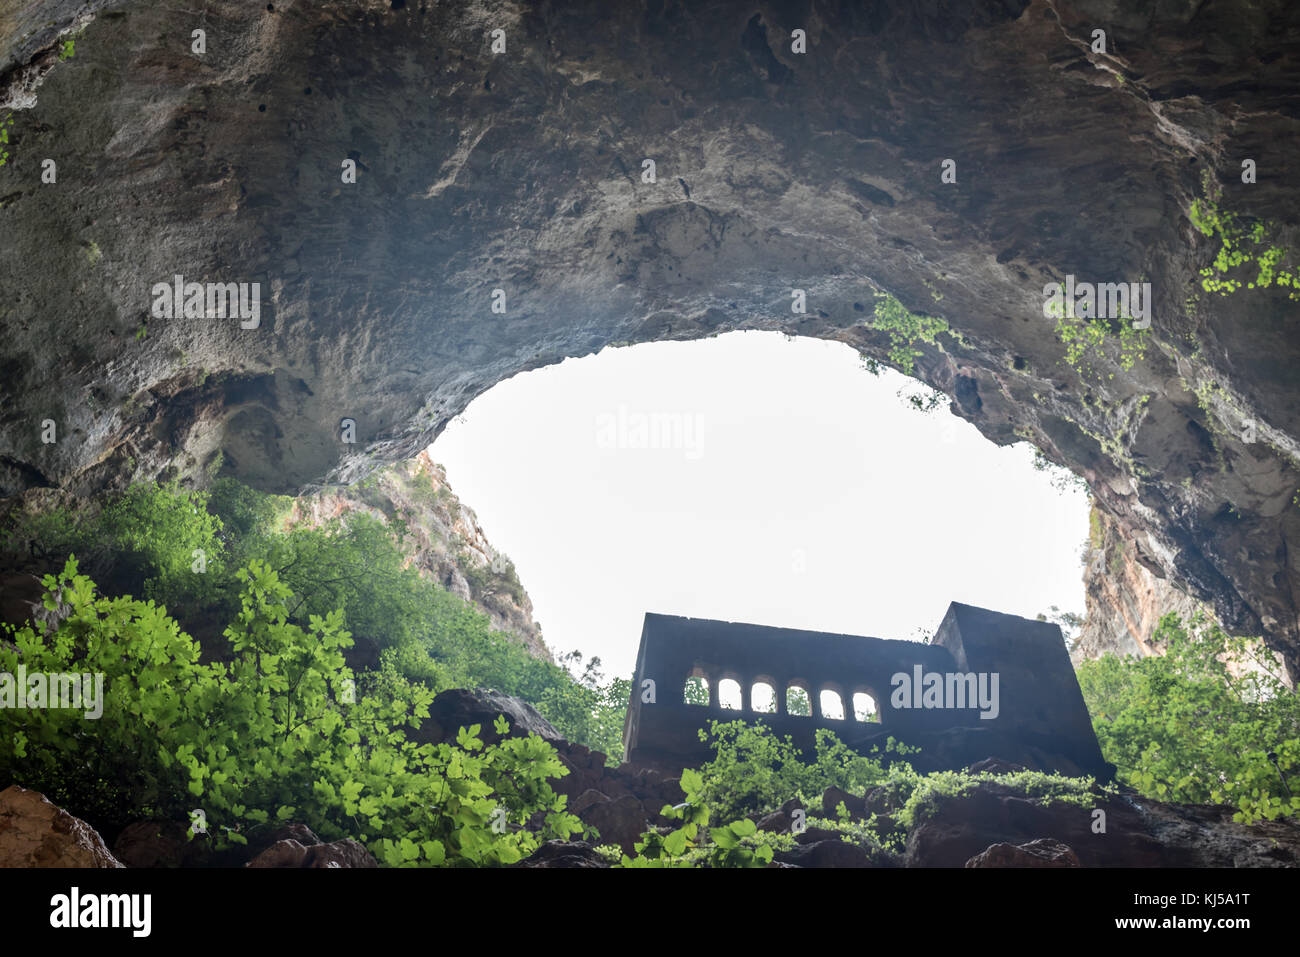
(1033, 711)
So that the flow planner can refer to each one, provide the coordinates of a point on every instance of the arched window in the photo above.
(696, 690)
(832, 705)
(797, 702)
(729, 694)
(864, 707)
(763, 697)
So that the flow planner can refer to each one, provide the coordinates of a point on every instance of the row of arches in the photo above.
(799, 701)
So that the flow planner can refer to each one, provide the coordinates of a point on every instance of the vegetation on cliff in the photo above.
(1182, 727)
(280, 733)
(184, 550)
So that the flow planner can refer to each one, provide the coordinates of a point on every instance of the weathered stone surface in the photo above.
(36, 833)
(775, 171)
(286, 853)
(155, 844)
(463, 708)
(830, 852)
(290, 853)
(1138, 833)
(832, 797)
(621, 821)
(293, 831)
(1124, 599)
(564, 854)
(588, 798)
(344, 853)
(1040, 853)
(446, 542)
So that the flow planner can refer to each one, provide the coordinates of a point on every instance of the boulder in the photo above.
(155, 843)
(832, 797)
(586, 800)
(291, 853)
(1129, 831)
(621, 821)
(461, 708)
(1043, 852)
(564, 854)
(831, 852)
(34, 832)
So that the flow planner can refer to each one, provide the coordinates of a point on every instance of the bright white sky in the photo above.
(806, 494)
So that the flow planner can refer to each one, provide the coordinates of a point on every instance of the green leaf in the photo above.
(675, 843)
(724, 837)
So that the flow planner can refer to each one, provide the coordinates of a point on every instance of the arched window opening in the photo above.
(797, 702)
(696, 690)
(832, 705)
(864, 707)
(762, 697)
(729, 694)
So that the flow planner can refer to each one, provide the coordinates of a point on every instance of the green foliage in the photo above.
(797, 703)
(1180, 727)
(695, 843)
(67, 49)
(1241, 248)
(696, 691)
(5, 125)
(275, 735)
(905, 330)
(1096, 536)
(1091, 342)
(754, 771)
(927, 792)
(144, 541)
(149, 540)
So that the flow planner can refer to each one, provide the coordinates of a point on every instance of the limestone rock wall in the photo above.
(444, 537)
(521, 171)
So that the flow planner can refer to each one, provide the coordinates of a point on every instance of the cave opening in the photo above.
(757, 477)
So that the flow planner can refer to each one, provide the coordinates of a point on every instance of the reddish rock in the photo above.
(778, 822)
(1041, 853)
(290, 853)
(587, 799)
(154, 843)
(564, 854)
(831, 852)
(620, 821)
(344, 853)
(34, 832)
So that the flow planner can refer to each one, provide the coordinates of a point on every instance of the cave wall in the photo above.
(521, 171)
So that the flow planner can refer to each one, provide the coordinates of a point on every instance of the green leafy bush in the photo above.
(5, 126)
(159, 541)
(1240, 249)
(1180, 727)
(145, 541)
(279, 734)
(695, 843)
(754, 771)
(906, 329)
